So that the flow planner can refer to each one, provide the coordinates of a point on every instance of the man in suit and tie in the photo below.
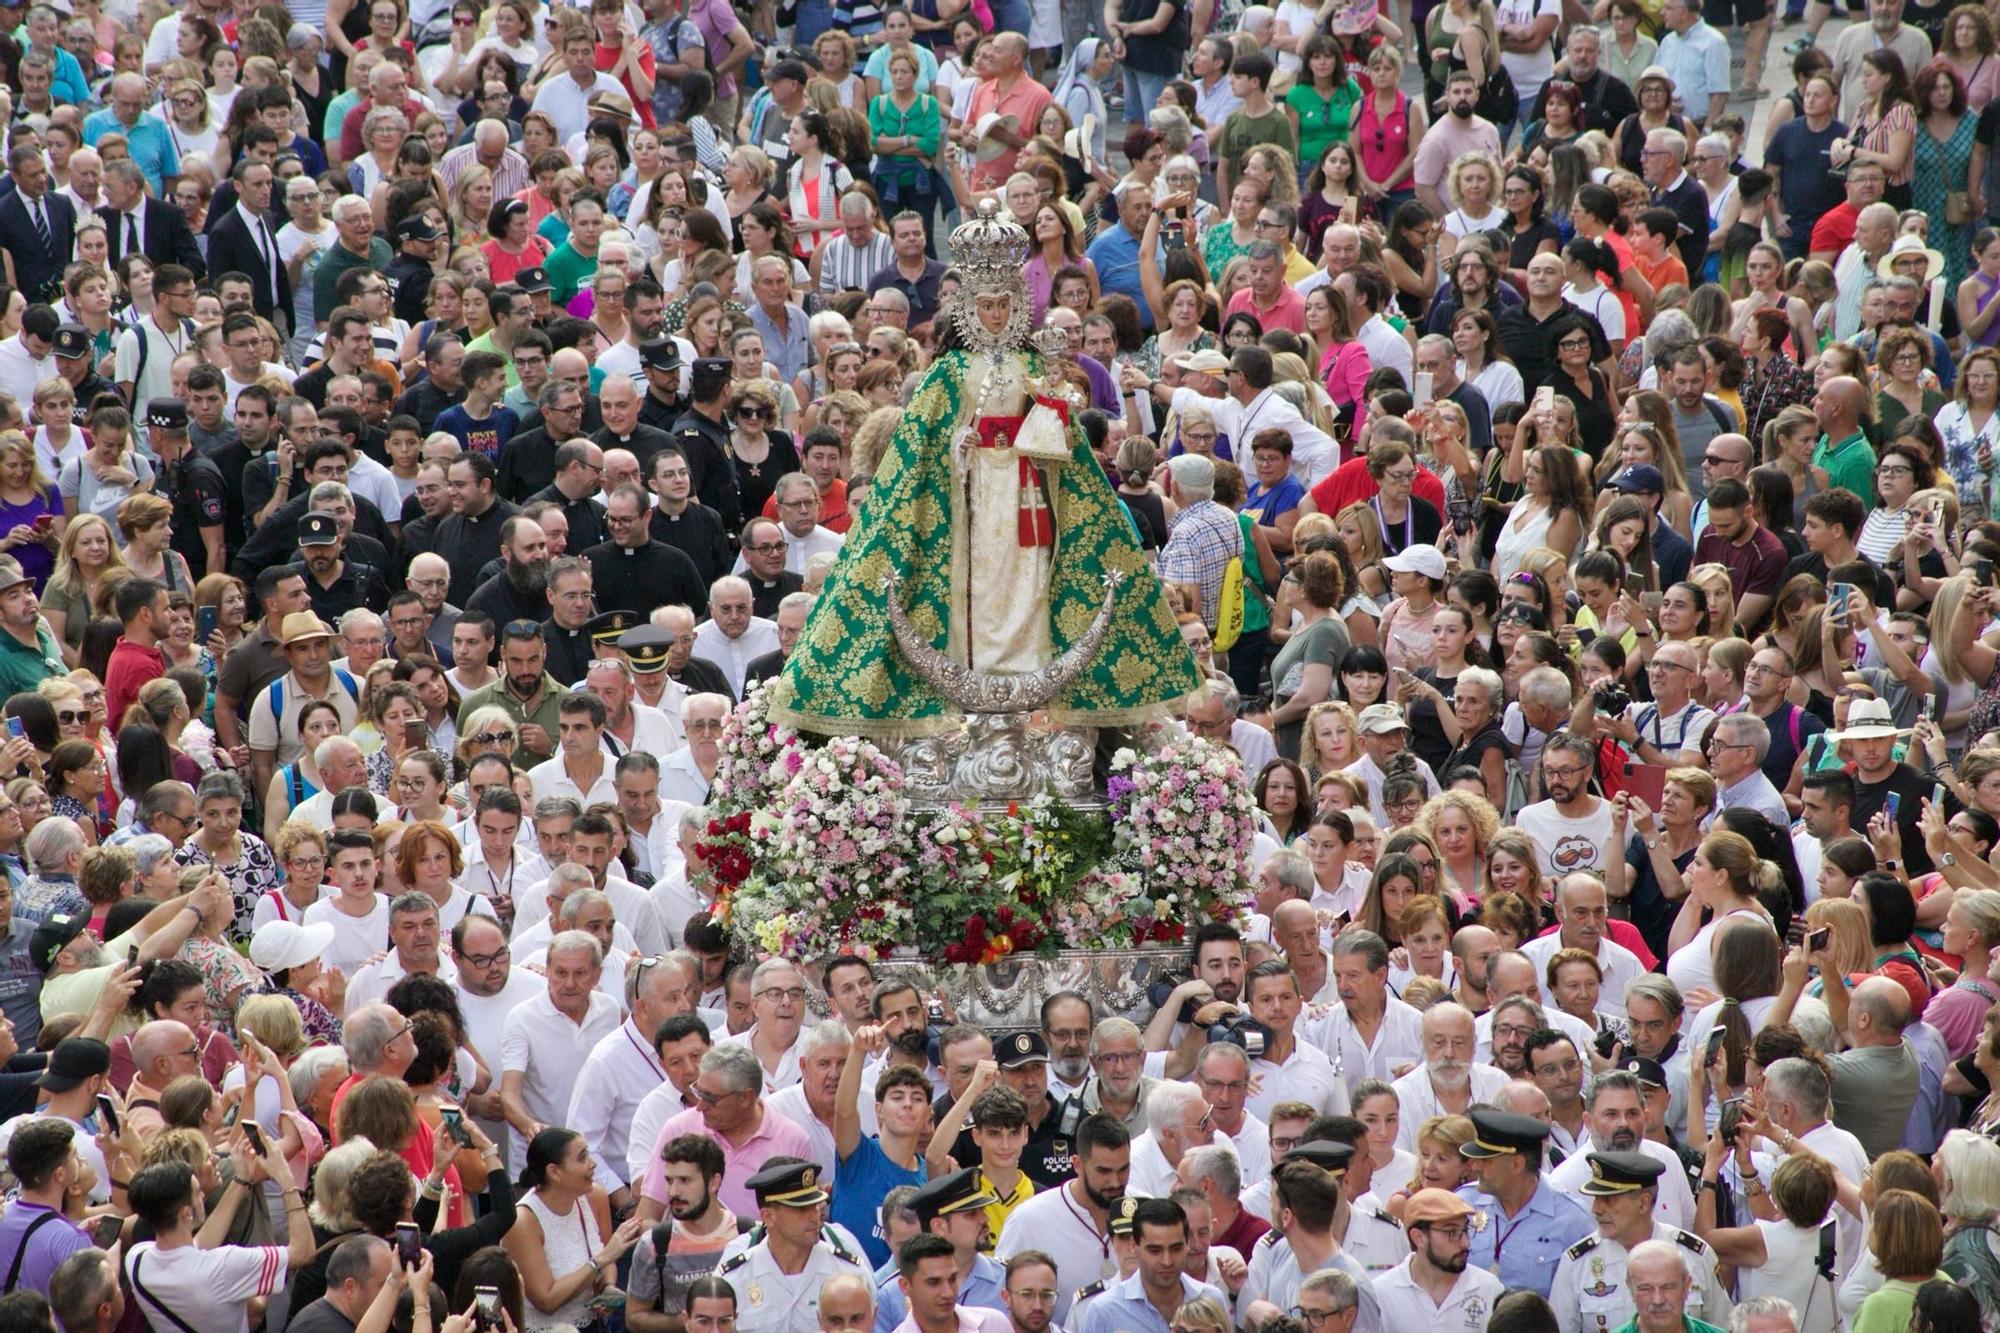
(37, 227)
(245, 241)
(136, 221)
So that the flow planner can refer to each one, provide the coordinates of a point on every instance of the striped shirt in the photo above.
(844, 266)
(509, 178)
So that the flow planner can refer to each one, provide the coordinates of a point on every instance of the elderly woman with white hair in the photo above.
(1971, 933)
(1967, 1167)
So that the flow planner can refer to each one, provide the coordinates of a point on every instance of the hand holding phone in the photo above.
(1892, 805)
(409, 1245)
(1817, 940)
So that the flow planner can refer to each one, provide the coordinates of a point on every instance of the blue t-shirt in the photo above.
(483, 435)
(866, 1177)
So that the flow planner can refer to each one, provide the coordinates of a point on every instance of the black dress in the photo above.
(756, 481)
(1596, 414)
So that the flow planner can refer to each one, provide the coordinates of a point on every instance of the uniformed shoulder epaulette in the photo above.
(1581, 1248)
(1096, 1288)
(1380, 1214)
(839, 1247)
(1267, 1240)
(1692, 1241)
(733, 1263)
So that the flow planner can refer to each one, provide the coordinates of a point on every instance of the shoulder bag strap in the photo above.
(21, 1253)
(155, 1301)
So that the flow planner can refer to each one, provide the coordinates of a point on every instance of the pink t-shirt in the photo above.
(1288, 313)
(776, 1137)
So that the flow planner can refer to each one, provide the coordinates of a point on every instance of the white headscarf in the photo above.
(1077, 92)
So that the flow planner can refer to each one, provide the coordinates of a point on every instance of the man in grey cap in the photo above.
(29, 654)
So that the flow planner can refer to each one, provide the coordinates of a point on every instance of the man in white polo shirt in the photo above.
(1436, 1288)
(1581, 911)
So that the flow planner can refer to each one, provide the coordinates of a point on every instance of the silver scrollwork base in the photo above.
(1008, 996)
(996, 758)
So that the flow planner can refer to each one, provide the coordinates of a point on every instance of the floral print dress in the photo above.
(254, 872)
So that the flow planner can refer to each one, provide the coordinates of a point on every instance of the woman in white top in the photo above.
(1552, 507)
(1582, 290)
(557, 1241)
(1774, 1257)
(1722, 879)
(817, 180)
(1475, 201)
(1476, 337)
(1376, 1106)
(191, 125)
(1901, 472)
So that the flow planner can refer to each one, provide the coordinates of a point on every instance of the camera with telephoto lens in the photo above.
(1612, 698)
(1162, 990)
(1242, 1030)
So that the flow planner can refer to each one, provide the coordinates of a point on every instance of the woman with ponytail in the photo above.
(1722, 880)
(557, 1241)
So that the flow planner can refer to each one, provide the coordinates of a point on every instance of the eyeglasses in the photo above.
(794, 994)
(67, 716)
(751, 413)
(1565, 774)
(1315, 1318)
(1716, 460)
(707, 1098)
(1891, 470)
(765, 548)
(492, 738)
(307, 862)
(1573, 344)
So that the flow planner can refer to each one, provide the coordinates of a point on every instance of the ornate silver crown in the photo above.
(990, 249)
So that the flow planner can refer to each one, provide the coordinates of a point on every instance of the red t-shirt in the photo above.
(130, 668)
(1350, 482)
(607, 56)
(1834, 231)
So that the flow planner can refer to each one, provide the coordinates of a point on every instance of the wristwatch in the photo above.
(1892, 864)
(1948, 860)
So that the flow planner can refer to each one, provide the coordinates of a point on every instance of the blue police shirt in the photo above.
(1523, 1250)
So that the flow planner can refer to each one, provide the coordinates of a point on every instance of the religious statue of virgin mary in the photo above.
(992, 524)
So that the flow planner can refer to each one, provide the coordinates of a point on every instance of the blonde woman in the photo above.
(1328, 742)
(190, 120)
(31, 517)
(87, 553)
(1463, 825)
(1848, 946)
(1361, 533)
(1716, 582)
(1475, 202)
(471, 203)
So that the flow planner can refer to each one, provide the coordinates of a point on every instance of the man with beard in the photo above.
(1617, 1105)
(1557, 1070)
(1472, 947)
(1178, 1119)
(1448, 1082)
(1512, 1022)
(1370, 1033)
(29, 654)
(1534, 1219)
(645, 305)
(1289, 1069)
(335, 584)
(632, 726)
(1581, 913)
(1591, 1293)
(1509, 973)
(1214, 984)
(684, 523)
(1030, 1292)
(1437, 1287)
(75, 968)
(688, 1243)
(1070, 1223)
(1305, 1204)
(1066, 1032)
(520, 591)
(525, 690)
(1571, 828)
(1118, 1086)
(618, 1073)
(660, 361)
(636, 571)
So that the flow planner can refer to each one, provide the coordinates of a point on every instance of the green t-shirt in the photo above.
(1243, 132)
(337, 259)
(567, 271)
(22, 668)
(1851, 464)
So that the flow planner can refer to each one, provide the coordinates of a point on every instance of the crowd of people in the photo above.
(422, 424)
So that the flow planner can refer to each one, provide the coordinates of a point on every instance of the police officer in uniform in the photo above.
(1656, 1089)
(952, 1206)
(1118, 1224)
(703, 435)
(75, 362)
(1529, 1225)
(660, 358)
(1363, 1226)
(1589, 1294)
(335, 583)
(777, 1279)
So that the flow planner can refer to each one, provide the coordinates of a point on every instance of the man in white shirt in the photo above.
(809, 1103)
(1222, 1072)
(413, 947)
(628, 724)
(566, 96)
(1436, 1287)
(682, 1041)
(798, 501)
(498, 864)
(1511, 975)
(580, 769)
(1617, 1120)
(1796, 1098)
(1384, 734)
(733, 638)
(29, 357)
(489, 988)
(1367, 291)
(1177, 1119)
(778, 999)
(1571, 829)
(618, 1073)
(1213, 713)
(1071, 1223)
(1370, 1033)
(590, 842)
(1449, 1081)
(1581, 912)
(685, 774)
(1289, 1070)
(1250, 406)
(544, 1042)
